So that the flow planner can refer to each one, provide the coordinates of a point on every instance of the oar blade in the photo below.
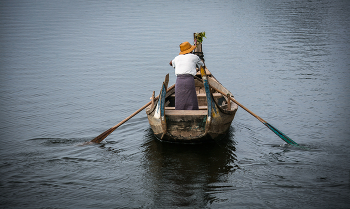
(102, 136)
(281, 135)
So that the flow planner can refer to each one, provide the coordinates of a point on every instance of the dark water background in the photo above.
(72, 69)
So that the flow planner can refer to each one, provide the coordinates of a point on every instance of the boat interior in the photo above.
(220, 100)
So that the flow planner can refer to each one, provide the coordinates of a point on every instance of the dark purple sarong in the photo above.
(185, 93)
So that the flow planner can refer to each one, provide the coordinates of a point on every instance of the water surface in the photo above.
(72, 69)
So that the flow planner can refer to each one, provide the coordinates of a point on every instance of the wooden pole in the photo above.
(152, 105)
(228, 102)
(198, 49)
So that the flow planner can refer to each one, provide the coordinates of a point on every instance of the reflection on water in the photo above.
(188, 175)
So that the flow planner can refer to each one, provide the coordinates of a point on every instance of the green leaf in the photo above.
(199, 36)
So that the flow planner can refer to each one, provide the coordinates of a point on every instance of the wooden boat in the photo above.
(210, 122)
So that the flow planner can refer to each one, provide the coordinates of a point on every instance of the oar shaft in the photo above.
(239, 104)
(246, 109)
(109, 131)
(275, 130)
(132, 115)
(102, 136)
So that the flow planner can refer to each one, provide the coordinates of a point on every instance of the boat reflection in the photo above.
(187, 174)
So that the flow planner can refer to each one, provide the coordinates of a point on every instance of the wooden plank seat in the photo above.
(173, 108)
(215, 95)
(185, 112)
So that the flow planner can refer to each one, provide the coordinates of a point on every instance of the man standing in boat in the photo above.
(185, 69)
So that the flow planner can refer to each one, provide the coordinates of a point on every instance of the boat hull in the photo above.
(211, 122)
(191, 128)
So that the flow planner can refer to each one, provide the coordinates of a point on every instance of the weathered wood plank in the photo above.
(186, 112)
(200, 107)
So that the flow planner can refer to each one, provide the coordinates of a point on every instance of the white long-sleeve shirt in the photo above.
(186, 64)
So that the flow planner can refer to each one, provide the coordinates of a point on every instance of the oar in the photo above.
(102, 136)
(275, 130)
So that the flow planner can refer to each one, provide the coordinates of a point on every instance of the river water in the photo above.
(72, 69)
